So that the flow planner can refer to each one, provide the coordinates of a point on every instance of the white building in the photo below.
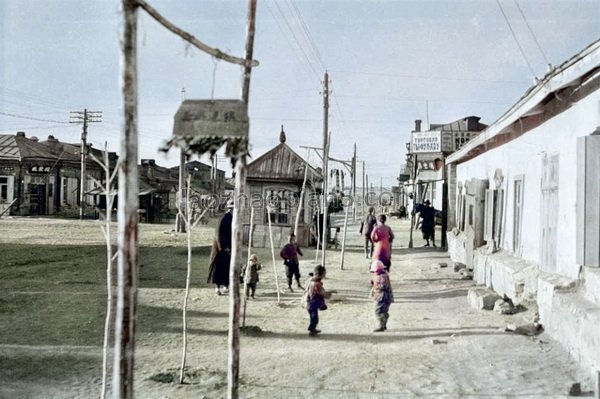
(527, 204)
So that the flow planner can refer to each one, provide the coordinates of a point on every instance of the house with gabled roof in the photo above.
(273, 185)
(40, 178)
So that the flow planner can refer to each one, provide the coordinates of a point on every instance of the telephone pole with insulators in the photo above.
(84, 117)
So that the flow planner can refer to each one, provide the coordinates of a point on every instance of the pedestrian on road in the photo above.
(382, 294)
(428, 223)
(220, 254)
(314, 298)
(382, 236)
(289, 253)
(366, 228)
(250, 275)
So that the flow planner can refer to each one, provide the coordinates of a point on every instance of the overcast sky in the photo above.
(390, 62)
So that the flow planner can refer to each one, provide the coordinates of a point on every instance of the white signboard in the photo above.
(426, 142)
(210, 118)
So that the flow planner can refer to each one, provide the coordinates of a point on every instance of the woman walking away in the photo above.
(382, 294)
(382, 236)
(220, 255)
(315, 299)
(289, 253)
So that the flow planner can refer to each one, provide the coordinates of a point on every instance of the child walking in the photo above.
(382, 294)
(250, 275)
(315, 299)
(289, 253)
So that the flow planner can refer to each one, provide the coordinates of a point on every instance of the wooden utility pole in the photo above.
(179, 219)
(233, 359)
(354, 184)
(84, 117)
(128, 218)
(129, 191)
(325, 229)
(363, 189)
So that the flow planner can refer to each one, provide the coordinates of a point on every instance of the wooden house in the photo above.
(273, 186)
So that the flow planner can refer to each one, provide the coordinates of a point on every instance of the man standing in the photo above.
(366, 228)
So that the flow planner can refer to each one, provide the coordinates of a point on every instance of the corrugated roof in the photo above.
(577, 70)
(9, 148)
(18, 147)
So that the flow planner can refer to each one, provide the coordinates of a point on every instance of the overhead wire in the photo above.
(516, 40)
(285, 19)
(31, 118)
(532, 34)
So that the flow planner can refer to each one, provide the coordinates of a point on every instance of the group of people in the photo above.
(220, 258)
(378, 239)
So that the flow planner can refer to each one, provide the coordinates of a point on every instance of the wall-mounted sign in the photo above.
(426, 142)
(39, 169)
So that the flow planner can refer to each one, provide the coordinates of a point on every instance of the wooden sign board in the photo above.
(211, 118)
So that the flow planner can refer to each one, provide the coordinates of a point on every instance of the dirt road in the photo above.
(435, 346)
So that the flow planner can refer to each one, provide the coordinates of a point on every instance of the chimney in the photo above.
(473, 123)
(20, 134)
(417, 125)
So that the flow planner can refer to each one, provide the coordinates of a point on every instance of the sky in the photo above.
(390, 62)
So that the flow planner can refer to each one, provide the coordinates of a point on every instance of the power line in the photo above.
(516, 40)
(310, 64)
(532, 34)
(306, 30)
(31, 118)
(407, 76)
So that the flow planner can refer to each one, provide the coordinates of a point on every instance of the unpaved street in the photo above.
(435, 345)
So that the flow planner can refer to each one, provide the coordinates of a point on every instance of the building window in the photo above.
(3, 189)
(278, 206)
(518, 213)
(493, 216)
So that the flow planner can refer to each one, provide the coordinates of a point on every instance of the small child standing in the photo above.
(315, 299)
(250, 275)
(382, 294)
(289, 253)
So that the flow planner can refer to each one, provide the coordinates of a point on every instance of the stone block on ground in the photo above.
(458, 266)
(481, 298)
(504, 307)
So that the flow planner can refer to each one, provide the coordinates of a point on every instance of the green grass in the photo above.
(53, 287)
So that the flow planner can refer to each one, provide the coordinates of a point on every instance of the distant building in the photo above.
(526, 204)
(43, 178)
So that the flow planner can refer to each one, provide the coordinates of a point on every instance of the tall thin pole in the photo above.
(83, 164)
(127, 212)
(233, 359)
(325, 228)
(354, 184)
(179, 219)
(326, 209)
(363, 188)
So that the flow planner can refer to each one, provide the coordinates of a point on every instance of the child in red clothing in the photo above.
(315, 299)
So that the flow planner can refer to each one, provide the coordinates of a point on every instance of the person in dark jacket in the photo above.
(220, 255)
(366, 228)
(289, 253)
(427, 213)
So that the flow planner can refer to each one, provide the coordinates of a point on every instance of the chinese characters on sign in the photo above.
(426, 142)
(39, 169)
